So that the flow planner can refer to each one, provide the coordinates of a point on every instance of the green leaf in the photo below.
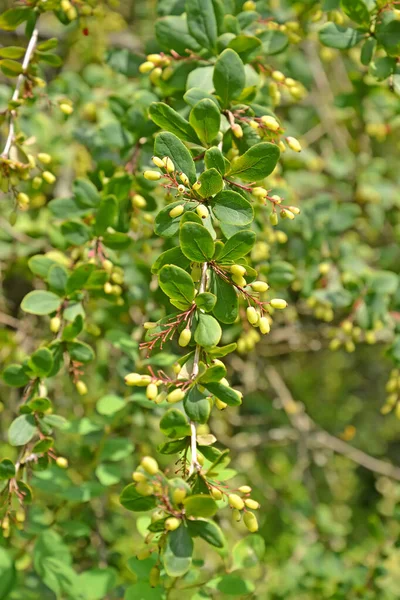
(247, 46)
(197, 405)
(211, 183)
(226, 308)
(229, 76)
(12, 52)
(196, 242)
(356, 10)
(96, 584)
(117, 240)
(132, 500)
(116, 449)
(257, 163)
(173, 256)
(214, 373)
(108, 474)
(15, 376)
(388, 35)
(41, 362)
(172, 447)
(202, 22)
(110, 404)
(166, 226)
(75, 233)
(205, 118)
(167, 118)
(195, 94)
(231, 208)
(206, 301)
(214, 159)
(336, 36)
(248, 552)
(177, 285)
(222, 350)
(50, 59)
(368, 50)
(200, 505)
(7, 471)
(225, 393)
(22, 430)
(10, 19)
(174, 424)
(8, 574)
(40, 265)
(237, 246)
(208, 331)
(177, 556)
(57, 279)
(79, 277)
(80, 352)
(41, 302)
(106, 215)
(167, 144)
(232, 585)
(172, 33)
(86, 193)
(73, 329)
(208, 530)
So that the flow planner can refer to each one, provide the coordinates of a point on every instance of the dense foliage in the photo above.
(200, 217)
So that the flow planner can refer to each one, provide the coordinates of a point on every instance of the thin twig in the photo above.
(305, 425)
(25, 64)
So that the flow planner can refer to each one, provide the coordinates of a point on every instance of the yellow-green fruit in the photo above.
(259, 192)
(151, 391)
(259, 286)
(252, 315)
(253, 504)
(138, 476)
(237, 130)
(108, 288)
(158, 162)
(278, 303)
(44, 158)
(139, 201)
(293, 144)
(20, 515)
(202, 211)
(155, 58)
(270, 122)
(273, 218)
(107, 265)
(144, 489)
(146, 67)
(65, 108)
(149, 464)
(179, 495)
(251, 522)
(278, 76)
(236, 501)
(370, 337)
(55, 324)
(62, 462)
(216, 494)
(184, 178)
(196, 186)
(245, 489)
(287, 214)
(236, 515)
(175, 396)
(72, 13)
(169, 165)
(176, 211)
(81, 388)
(220, 404)
(238, 270)
(184, 337)
(172, 523)
(240, 281)
(249, 5)
(154, 576)
(152, 175)
(264, 325)
(37, 182)
(137, 379)
(48, 177)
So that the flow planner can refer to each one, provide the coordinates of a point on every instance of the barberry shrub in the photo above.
(159, 261)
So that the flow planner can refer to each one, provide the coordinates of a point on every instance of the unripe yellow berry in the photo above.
(278, 76)
(168, 164)
(67, 109)
(282, 146)
(136, 379)
(151, 391)
(37, 182)
(253, 504)
(179, 495)
(253, 124)
(239, 280)
(181, 188)
(196, 186)
(138, 476)
(81, 388)
(238, 270)
(172, 523)
(20, 515)
(216, 494)
(264, 325)
(184, 337)
(370, 337)
(347, 326)
(236, 501)
(175, 396)
(237, 130)
(249, 5)
(158, 162)
(146, 67)
(270, 122)
(176, 367)
(107, 265)
(259, 286)
(236, 515)
(176, 211)
(184, 178)
(44, 158)
(251, 522)
(287, 214)
(55, 324)
(220, 404)
(48, 177)
(245, 489)
(273, 218)
(293, 144)
(62, 462)
(144, 489)
(149, 464)
(108, 288)
(278, 303)
(202, 211)
(139, 201)
(252, 315)
(23, 199)
(259, 192)
(149, 325)
(72, 13)
(152, 175)
(154, 576)
(65, 5)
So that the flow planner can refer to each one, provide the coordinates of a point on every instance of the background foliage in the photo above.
(329, 518)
